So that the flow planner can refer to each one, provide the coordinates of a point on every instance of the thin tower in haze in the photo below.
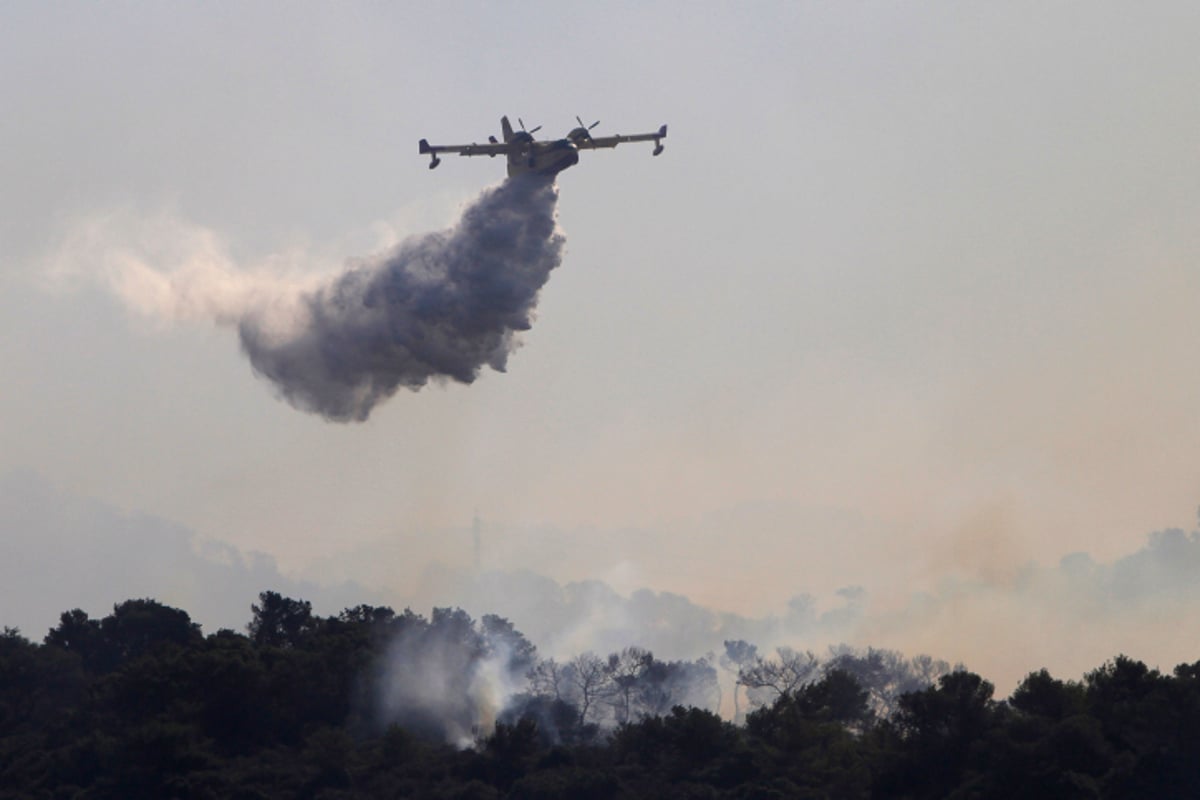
(475, 526)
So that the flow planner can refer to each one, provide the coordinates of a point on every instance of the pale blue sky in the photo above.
(911, 295)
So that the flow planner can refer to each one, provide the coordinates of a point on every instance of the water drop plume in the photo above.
(438, 306)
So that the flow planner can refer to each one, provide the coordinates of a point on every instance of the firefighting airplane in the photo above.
(547, 157)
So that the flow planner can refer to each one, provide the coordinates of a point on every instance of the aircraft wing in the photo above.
(492, 149)
(593, 142)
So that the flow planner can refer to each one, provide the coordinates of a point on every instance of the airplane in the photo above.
(547, 157)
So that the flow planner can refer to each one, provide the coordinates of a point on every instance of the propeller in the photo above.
(585, 130)
(522, 123)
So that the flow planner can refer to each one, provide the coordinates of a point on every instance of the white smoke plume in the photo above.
(450, 677)
(438, 306)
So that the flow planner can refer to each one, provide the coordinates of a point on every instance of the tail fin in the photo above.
(506, 128)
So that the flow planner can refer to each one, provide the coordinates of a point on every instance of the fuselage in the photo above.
(544, 158)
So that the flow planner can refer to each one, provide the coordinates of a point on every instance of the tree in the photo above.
(548, 677)
(1050, 746)
(588, 677)
(137, 626)
(78, 634)
(624, 672)
(836, 697)
(367, 615)
(40, 688)
(768, 679)
(280, 621)
(958, 709)
(739, 655)
(503, 639)
(663, 685)
(811, 736)
(1149, 719)
(887, 674)
(676, 745)
(942, 729)
(511, 748)
(1042, 695)
(133, 629)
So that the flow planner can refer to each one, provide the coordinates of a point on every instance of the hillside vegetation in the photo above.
(371, 703)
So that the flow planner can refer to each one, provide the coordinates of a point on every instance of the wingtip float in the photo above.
(545, 157)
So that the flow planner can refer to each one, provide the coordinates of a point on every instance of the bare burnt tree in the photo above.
(887, 674)
(625, 672)
(587, 674)
(768, 679)
(739, 654)
(549, 678)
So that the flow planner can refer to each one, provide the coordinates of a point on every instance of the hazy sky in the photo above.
(910, 298)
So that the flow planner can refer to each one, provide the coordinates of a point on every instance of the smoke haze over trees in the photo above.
(64, 550)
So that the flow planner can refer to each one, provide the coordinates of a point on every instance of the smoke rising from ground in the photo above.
(448, 676)
(438, 306)
(1067, 616)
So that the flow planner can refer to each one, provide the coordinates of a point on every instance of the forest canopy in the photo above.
(374, 703)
